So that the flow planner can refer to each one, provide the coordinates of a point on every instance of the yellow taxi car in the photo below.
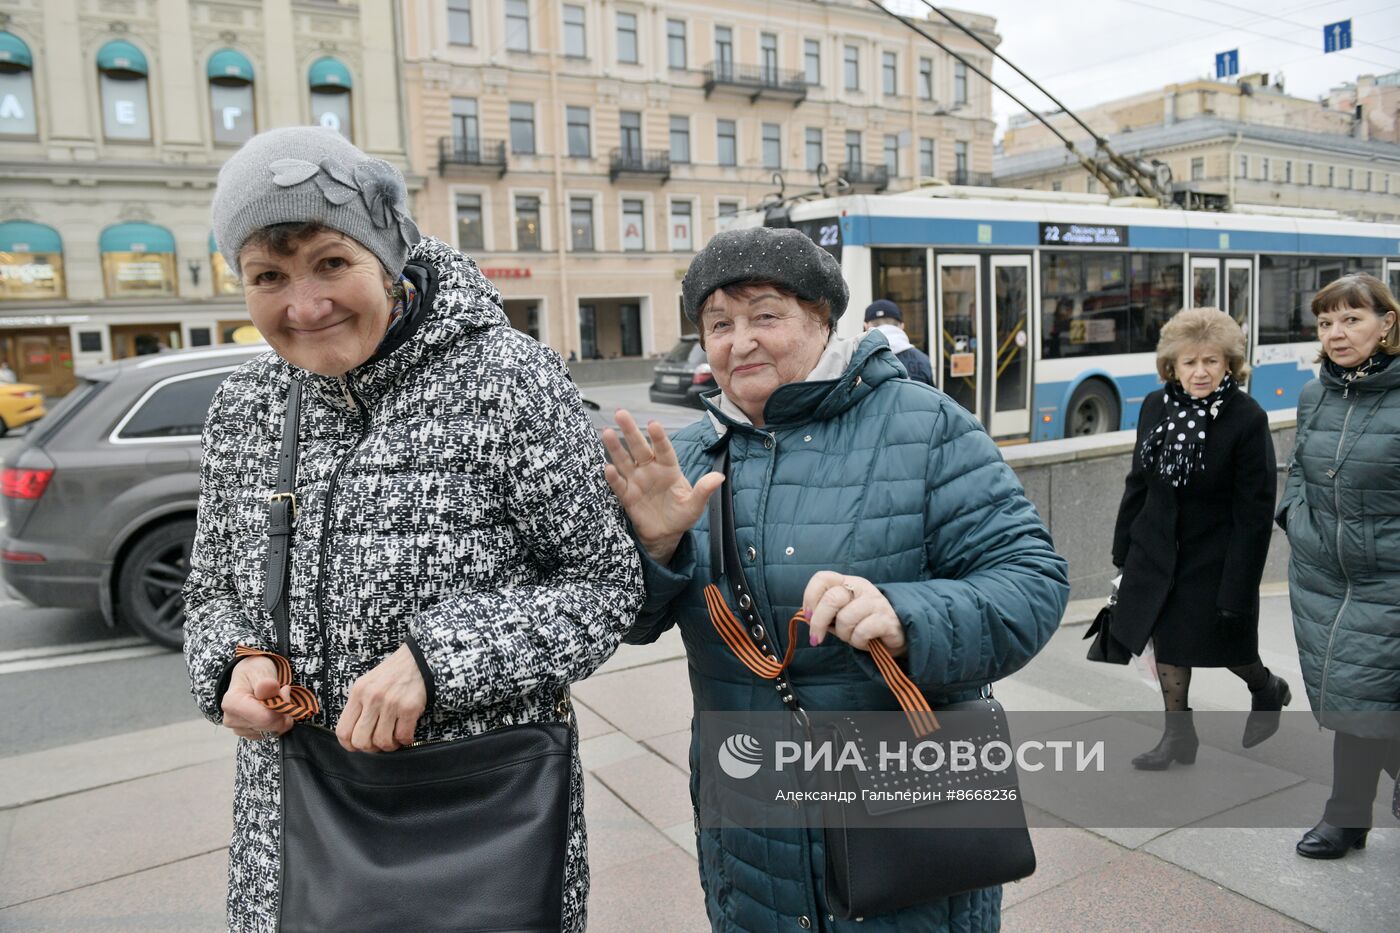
(20, 403)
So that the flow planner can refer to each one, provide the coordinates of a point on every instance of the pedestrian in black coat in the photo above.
(1193, 529)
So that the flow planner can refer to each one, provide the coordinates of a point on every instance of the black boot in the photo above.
(1179, 743)
(1327, 841)
(1266, 705)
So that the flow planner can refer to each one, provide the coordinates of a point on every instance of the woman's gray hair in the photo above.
(1209, 326)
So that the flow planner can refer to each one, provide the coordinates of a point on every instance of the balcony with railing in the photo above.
(653, 163)
(865, 175)
(756, 82)
(459, 152)
(965, 177)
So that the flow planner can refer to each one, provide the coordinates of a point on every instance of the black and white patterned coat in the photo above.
(451, 492)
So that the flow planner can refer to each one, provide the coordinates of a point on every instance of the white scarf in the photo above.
(899, 340)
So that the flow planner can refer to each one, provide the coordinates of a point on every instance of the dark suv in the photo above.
(99, 503)
(682, 374)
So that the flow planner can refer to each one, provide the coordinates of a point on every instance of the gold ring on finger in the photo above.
(637, 463)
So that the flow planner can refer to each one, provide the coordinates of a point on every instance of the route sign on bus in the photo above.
(1083, 235)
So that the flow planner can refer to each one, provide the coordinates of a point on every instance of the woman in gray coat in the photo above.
(456, 557)
(1341, 509)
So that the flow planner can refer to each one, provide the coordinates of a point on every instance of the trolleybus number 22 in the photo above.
(1083, 235)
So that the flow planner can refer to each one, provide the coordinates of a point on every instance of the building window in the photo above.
(892, 154)
(768, 56)
(31, 262)
(330, 95)
(527, 223)
(680, 140)
(634, 225)
(630, 133)
(1243, 170)
(1351, 178)
(853, 147)
(459, 22)
(1264, 172)
(231, 97)
(1288, 171)
(579, 132)
(852, 68)
(225, 282)
(675, 43)
(522, 128)
(138, 261)
(466, 128)
(471, 233)
(1368, 182)
(928, 165)
(926, 79)
(1091, 185)
(724, 52)
(727, 211)
(812, 61)
(814, 148)
(627, 38)
(518, 25)
(1331, 176)
(727, 141)
(772, 146)
(581, 223)
(1198, 168)
(889, 73)
(1385, 184)
(1307, 173)
(126, 108)
(960, 160)
(575, 31)
(682, 229)
(16, 88)
(959, 84)
(1057, 186)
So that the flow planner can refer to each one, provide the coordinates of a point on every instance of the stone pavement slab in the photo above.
(657, 892)
(67, 843)
(186, 896)
(1358, 893)
(642, 701)
(616, 833)
(674, 747)
(1062, 854)
(1141, 893)
(652, 786)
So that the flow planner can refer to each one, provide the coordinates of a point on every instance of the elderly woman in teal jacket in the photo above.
(1341, 509)
(873, 504)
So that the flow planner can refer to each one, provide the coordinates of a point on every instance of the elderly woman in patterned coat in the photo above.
(457, 557)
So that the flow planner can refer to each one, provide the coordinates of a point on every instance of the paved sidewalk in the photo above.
(130, 832)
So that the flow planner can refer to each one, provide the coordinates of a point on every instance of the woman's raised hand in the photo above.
(646, 477)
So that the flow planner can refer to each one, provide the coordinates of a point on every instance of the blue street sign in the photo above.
(1227, 63)
(1336, 36)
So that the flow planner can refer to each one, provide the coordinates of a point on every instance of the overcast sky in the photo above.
(1087, 51)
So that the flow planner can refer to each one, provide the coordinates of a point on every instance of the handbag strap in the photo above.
(751, 644)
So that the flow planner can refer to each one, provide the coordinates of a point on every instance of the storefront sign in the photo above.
(498, 272)
(31, 275)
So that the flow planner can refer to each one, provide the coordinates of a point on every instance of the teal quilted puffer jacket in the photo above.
(876, 476)
(1341, 509)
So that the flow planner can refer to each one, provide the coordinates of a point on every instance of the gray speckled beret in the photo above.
(762, 254)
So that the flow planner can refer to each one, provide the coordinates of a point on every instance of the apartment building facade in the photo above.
(583, 151)
(115, 116)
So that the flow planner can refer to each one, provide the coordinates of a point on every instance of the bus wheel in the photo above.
(1092, 410)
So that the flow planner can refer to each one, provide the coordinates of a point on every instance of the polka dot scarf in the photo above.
(1176, 447)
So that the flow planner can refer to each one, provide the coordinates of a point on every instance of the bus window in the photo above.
(1287, 285)
(1156, 296)
(1084, 304)
(901, 275)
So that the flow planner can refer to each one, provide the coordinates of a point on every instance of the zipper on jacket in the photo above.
(349, 394)
(1346, 598)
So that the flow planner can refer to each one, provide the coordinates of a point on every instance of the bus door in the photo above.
(1392, 275)
(1007, 357)
(1239, 298)
(958, 330)
(1205, 282)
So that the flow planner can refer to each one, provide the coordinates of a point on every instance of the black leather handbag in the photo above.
(1105, 648)
(462, 835)
(886, 858)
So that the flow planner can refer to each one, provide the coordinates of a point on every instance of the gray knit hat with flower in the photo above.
(305, 174)
(763, 254)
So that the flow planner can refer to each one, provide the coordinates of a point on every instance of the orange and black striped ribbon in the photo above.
(911, 700)
(302, 704)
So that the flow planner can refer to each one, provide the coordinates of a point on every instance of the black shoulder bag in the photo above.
(464, 835)
(885, 858)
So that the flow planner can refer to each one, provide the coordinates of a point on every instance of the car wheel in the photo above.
(149, 590)
(1092, 410)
